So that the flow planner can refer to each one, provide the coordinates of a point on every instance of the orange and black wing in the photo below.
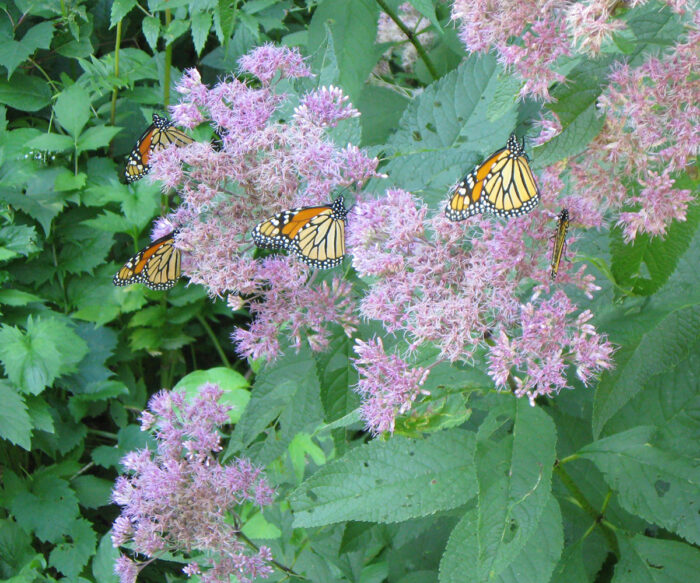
(559, 241)
(315, 234)
(156, 266)
(503, 185)
(160, 134)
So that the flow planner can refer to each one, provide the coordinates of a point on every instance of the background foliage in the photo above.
(594, 485)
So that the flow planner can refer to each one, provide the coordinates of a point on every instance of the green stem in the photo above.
(586, 505)
(117, 44)
(214, 339)
(413, 39)
(107, 434)
(44, 73)
(168, 64)
(255, 547)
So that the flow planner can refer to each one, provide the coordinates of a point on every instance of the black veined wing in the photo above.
(156, 266)
(315, 234)
(503, 185)
(160, 134)
(559, 241)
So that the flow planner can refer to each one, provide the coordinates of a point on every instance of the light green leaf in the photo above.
(73, 109)
(234, 385)
(381, 111)
(427, 9)
(51, 142)
(120, 8)
(103, 562)
(201, 25)
(533, 564)
(25, 93)
(659, 347)
(658, 483)
(225, 20)
(49, 496)
(649, 560)
(390, 481)
(67, 181)
(70, 557)
(15, 297)
(175, 30)
(151, 30)
(33, 359)
(337, 376)
(15, 423)
(92, 491)
(96, 137)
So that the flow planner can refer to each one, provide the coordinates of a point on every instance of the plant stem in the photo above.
(586, 505)
(413, 39)
(117, 44)
(281, 567)
(168, 64)
(214, 339)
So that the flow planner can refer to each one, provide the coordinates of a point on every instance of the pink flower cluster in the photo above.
(180, 498)
(434, 283)
(269, 162)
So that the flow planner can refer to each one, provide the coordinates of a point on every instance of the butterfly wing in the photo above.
(467, 196)
(156, 266)
(160, 134)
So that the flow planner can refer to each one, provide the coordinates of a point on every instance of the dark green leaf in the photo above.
(15, 545)
(427, 9)
(15, 423)
(151, 30)
(25, 93)
(120, 8)
(96, 137)
(103, 562)
(570, 568)
(381, 110)
(649, 560)
(51, 142)
(73, 109)
(201, 25)
(175, 30)
(390, 481)
(225, 20)
(70, 557)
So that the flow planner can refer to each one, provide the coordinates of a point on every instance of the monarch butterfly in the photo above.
(559, 241)
(156, 266)
(159, 135)
(502, 185)
(315, 234)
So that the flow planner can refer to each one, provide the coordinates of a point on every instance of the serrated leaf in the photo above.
(660, 346)
(515, 452)
(234, 385)
(201, 25)
(151, 30)
(96, 137)
(354, 27)
(15, 423)
(288, 392)
(120, 8)
(659, 484)
(444, 131)
(68, 181)
(49, 496)
(25, 93)
(533, 564)
(51, 143)
(175, 30)
(40, 414)
(103, 562)
(337, 377)
(72, 109)
(427, 9)
(649, 560)
(390, 481)
(33, 359)
(15, 545)
(225, 20)
(15, 297)
(70, 557)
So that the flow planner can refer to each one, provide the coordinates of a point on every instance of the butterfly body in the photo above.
(158, 136)
(156, 266)
(315, 234)
(559, 241)
(502, 185)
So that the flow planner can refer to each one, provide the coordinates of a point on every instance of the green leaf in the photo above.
(13, 53)
(92, 491)
(40, 414)
(337, 377)
(534, 563)
(515, 452)
(70, 557)
(120, 8)
(51, 142)
(201, 25)
(35, 358)
(660, 484)
(73, 109)
(225, 20)
(15, 546)
(570, 568)
(658, 256)
(390, 481)
(49, 496)
(17, 240)
(234, 385)
(15, 297)
(287, 392)
(96, 137)
(67, 181)
(354, 27)
(660, 345)
(151, 30)
(129, 438)
(381, 111)
(427, 9)
(175, 30)
(25, 93)
(649, 560)
(103, 562)
(444, 130)
(15, 424)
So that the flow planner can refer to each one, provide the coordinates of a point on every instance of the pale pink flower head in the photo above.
(325, 107)
(267, 60)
